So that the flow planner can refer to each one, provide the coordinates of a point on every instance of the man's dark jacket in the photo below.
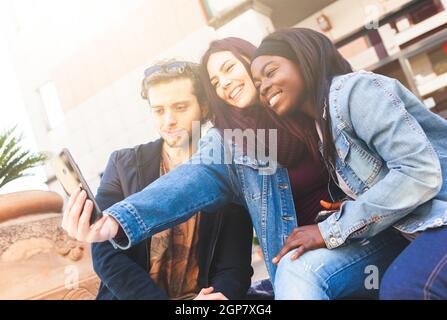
(225, 236)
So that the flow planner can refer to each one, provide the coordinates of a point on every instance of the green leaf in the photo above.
(14, 160)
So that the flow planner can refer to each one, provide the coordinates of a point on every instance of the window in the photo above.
(214, 7)
(52, 105)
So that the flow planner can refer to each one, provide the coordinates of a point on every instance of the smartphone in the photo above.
(323, 215)
(71, 178)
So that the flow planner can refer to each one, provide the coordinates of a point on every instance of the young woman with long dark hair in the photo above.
(381, 145)
(234, 104)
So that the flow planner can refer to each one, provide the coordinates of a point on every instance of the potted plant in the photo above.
(14, 163)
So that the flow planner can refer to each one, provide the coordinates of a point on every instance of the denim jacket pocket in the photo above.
(357, 166)
(247, 161)
(254, 183)
(342, 146)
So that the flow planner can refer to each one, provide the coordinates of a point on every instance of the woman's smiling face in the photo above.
(280, 84)
(231, 80)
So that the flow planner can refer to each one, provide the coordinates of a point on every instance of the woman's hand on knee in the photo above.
(302, 239)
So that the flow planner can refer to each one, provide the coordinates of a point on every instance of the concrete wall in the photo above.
(95, 56)
(250, 25)
(97, 68)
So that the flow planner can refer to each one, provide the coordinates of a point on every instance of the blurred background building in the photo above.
(78, 65)
(71, 70)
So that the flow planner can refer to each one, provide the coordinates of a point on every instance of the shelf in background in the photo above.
(421, 28)
(433, 85)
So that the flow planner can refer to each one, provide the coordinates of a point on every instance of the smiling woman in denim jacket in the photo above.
(382, 146)
(389, 165)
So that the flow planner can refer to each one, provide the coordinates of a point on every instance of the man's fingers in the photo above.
(204, 293)
(207, 290)
(70, 203)
(216, 296)
(84, 221)
(73, 198)
(94, 234)
(74, 213)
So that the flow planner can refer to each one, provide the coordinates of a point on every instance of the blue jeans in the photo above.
(353, 270)
(420, 271)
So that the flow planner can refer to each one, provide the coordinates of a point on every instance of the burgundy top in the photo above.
(309, 183)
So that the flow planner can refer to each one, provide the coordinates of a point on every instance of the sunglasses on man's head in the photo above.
(177, 66)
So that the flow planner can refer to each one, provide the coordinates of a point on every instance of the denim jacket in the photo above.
(393, 166)
(392, 153)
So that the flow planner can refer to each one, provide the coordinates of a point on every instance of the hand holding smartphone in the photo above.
(71, 178)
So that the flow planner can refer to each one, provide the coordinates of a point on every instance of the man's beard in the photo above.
(178, 142)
